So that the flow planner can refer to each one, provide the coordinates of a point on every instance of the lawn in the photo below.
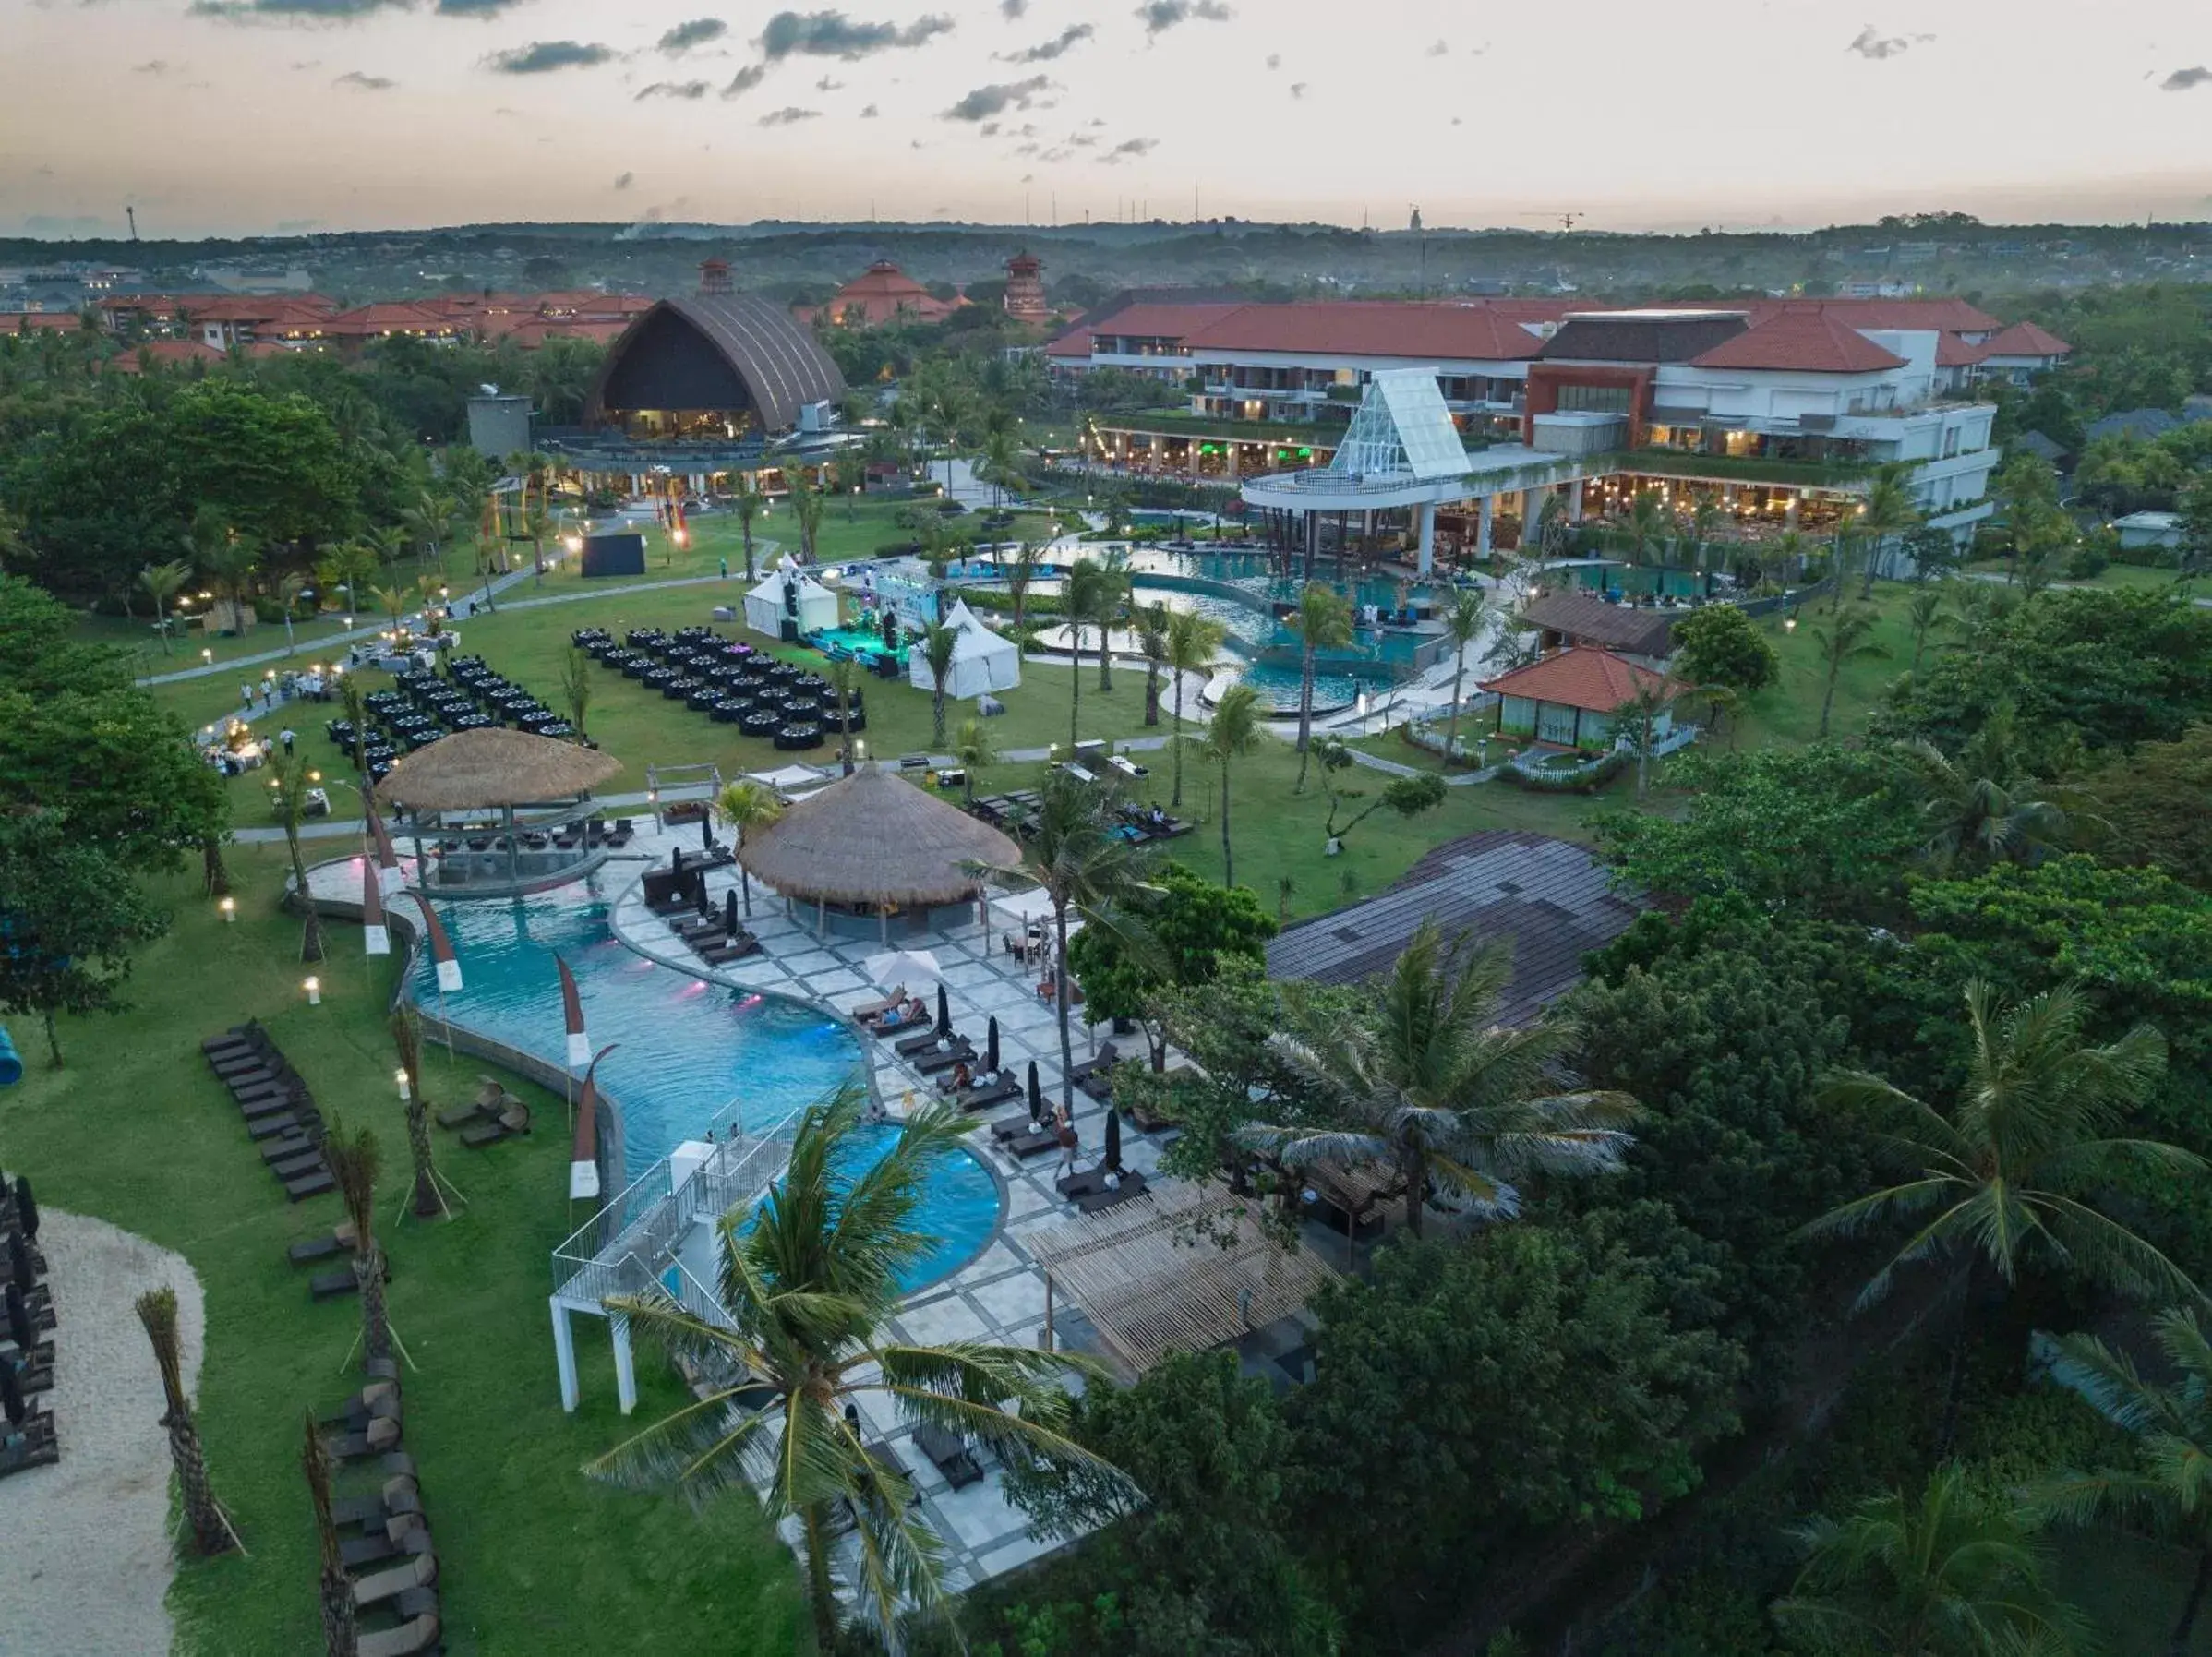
(2129, 577)
(1789, 711)
(536, 1558)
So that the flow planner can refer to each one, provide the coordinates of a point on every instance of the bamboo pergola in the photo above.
(1183, 1268)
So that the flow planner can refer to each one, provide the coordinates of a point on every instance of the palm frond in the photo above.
(704, 1448)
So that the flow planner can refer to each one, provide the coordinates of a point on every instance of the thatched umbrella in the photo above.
(991, 1049)
(944, 1012)
(1112, 1158)
(471, 769)
(874, 840)
(729, 911)
(1036, 1096)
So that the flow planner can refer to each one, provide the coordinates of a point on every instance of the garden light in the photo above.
(398, 1079)
(208, 657)
(314, 988)
(229, 907)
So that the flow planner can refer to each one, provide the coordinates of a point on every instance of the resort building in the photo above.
(1572, 699)
(1781, 409)
(881, 296)
(1025, 300)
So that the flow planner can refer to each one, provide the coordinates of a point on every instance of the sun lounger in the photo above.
(238, 1035)
(380, 1435)
(1097, 1085)
(991, 1093)
(303, 1186)
(418, 1572)
(930, 1063)
(1104, 1198)
(39, 1446)
(737, 949)
(398, 1539)
(949, 1455)
(417, 1635)
(869, 1011)
(1106, 1058)
(400, 1494)
(334, 1284)
(912, 1045)
(338, 1240)
(511, 1121)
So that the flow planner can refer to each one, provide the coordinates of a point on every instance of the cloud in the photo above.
(833, 34)
(152, 65)
(689, 90)
(696, 32)
(829, 83)
(2180, 80)
(1876, 48)
(1126, 149)
(789, 116)
(542, 57)
(870, 114)
(1441, 49)
(1014, 9)
(1297, 89)
(364, 83)
(1060, 46)
(474, 8)
(1160, 15)
(987, 101)
(624, 180)
(745, 79)
(292, 11)
(1274, 60)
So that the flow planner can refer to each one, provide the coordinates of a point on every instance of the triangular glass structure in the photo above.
(1402, 429)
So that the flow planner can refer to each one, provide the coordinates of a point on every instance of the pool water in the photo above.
(688, 1055)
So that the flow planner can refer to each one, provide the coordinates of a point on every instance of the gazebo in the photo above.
(495, 813)
(873, 850)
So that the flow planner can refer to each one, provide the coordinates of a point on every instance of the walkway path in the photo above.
(2073, 586)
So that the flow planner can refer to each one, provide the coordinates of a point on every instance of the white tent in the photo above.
(768, 603)
(982, 660)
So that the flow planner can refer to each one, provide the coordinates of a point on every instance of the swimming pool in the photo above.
(689, 1055)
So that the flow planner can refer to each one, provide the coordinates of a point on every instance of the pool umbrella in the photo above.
(1036, 1096)
(18, 1259)
(901, 968)
(11, 1395)
(944, 1012)
(20, 1328)
(27, 1212)
(676, 859)
(1113, 1157)
(706, 830)
(729, 912)
(991, 1049)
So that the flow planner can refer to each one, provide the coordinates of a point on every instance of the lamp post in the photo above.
(399, 1078)
(314, 988)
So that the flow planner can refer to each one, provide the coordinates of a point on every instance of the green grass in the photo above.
(1789, 711)
(536, 1558)
(2124, 577)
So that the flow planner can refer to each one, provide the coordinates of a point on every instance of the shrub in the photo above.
(1572, 781)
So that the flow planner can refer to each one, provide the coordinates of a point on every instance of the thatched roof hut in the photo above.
(876, 839)
(472, 770)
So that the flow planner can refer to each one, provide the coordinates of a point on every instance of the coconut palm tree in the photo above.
(850, 471)
(425, 523)
(939, 644)
(1019, 575)
(1552, 525)
(288, 589)
(844, 677)
(749, 502)
(341, 572)
(1193, 641)
(407, 1041)
(290, 777)
(1638, 720)
(810, 1287)
(210, 1530)
(2171, 1420)
(1887, 512)
(1233, 732)
(1428, 1082)
(1954, 1573)
(1082, 597)
(1088, 870)
(160, 583)
(1151, 623)
(2008, 1178)
(576, 687)
(1463, 626)
(392, 601)
(1982, 807)
(806, 506)
(744, 806)
(1848, 637)
(1002, 465)
(1110, 596)
(973, 748)
(1647, 524)
(1925, 612)
(355, 1162)
(338, 1635)
(1323, 621)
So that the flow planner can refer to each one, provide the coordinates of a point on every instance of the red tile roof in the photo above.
(1594, 680)
(23, 322)
(1948, 315)
(1367, 327)
(1812, 342)
(388, 316)
(2024, 339)
(1955, 353)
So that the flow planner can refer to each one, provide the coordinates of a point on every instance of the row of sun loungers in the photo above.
(493, 1115)
(384, 1536)
(29, 1437)
(278, 1110)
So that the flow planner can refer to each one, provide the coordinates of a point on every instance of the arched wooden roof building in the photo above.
(714, 352)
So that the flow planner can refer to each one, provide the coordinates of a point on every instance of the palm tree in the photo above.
(355, 1162)
(1428, 1082)
(939, 644)
(290, 777)
(288, 589)
(392, 601)
(1002, 465)
(229, 565)
(1638, 719)
(1112, 592)
(1463, 626)
(1955, 1573)
(749, 500)
(1233, 732)
(425, 523)
(1151, 623)
(161, 583)
(1848, 637)
(537, 524)
(1925, 612)
(1981, 806)
(338, 1638)
(210, 1530)
(1193, 641)
(844, 678)
(1019, 575)
(1088, 870)
(809, 1288)
(407, 1040)
(973, 748)
(1323, 621)
(1888, 511)
(850, 471)
(806, 506)
(342, 570)
(2172, 1426)
(1082, 597)
(576, 687)
(744, 806)
(1552, 525)
(2008, 1176)
(1646, 524)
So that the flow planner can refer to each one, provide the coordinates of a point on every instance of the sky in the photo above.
(217, 117)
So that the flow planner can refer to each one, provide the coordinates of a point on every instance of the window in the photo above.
(1594, 400)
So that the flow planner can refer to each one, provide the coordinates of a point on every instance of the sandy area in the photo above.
(88, 1561)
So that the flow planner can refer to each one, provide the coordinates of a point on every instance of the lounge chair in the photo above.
(930, 1063)
(380, 1433)
(399, 1538)
(949, 1455)
(38, 1447)
(912, 1045)
(418, 1572)
(285, 1146)
(238, 1035)
(1097, 1085)
(867, 1011)
(991, 1093)
(512, 1121)
(1106, 1058)
(377, 1400)
(417, 1635)
(1104, 1197)
(275, 1125)
(302, 1186)
(491, 1098)
(338, 1240)
(735, 949)
(401, 1495)
(334, 1284)
(1092, 1179)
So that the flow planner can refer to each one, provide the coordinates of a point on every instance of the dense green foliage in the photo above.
(1188, 928)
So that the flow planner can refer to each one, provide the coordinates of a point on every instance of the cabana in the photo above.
(496, 812)
(983, 661)
(1148, 1288)
(872, 853)
(790, 595)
